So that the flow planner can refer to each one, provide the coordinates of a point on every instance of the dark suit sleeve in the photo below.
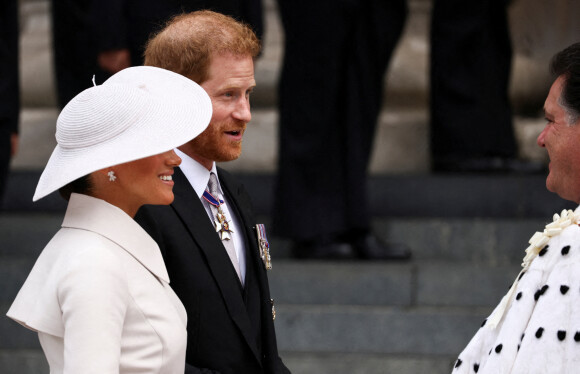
(244, 206)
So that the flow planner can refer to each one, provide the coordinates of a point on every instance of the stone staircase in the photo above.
(468, 232)
(339, 317)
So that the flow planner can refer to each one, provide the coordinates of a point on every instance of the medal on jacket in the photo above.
(222, 225)
(264, 246)
(273, 310)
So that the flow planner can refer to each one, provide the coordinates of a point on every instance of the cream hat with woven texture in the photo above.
(139, 112)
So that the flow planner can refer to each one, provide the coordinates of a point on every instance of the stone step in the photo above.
(510, 196)
(401, 144)
(33, 362)
(489, 242)
(340, 328)
(23, 361)
(373, 315)
(415, 284)
(409, 284)
(378, 330)
(316, 300)
(24, 235)
(348, 363)
(13, 273)
(418, 309)
(13, 335)
(519, 197)
(312, 335)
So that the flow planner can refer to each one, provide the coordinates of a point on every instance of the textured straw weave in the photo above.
(139, 112)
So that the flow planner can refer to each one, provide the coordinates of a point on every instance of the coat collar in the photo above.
(96, 215)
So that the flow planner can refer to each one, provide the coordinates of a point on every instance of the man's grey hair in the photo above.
(572, 114)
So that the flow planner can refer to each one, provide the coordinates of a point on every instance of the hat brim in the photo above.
(166, 110)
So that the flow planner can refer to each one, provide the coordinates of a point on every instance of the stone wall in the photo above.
(540, 28)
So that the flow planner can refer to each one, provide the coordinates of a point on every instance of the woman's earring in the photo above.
(112, 176)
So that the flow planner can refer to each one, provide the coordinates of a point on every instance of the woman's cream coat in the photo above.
(99, 297)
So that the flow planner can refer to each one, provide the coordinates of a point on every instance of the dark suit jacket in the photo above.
(230, 327)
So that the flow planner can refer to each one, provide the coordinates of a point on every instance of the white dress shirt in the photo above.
(198, 177)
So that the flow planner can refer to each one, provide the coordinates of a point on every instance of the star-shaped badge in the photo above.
(222, 227)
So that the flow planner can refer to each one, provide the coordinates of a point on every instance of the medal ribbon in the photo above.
(211, 199)
(262, 232)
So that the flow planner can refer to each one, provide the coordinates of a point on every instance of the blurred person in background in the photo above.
(121, 28)
(102, 37)
(470, 113)
(336, 54)
(9, 87)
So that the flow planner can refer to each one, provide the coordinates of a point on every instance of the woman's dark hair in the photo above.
(567, 64)
(83, 185)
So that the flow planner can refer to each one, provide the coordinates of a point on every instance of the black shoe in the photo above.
(316, 250)
(369, 247)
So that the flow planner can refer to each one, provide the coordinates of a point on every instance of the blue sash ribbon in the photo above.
(211, 199)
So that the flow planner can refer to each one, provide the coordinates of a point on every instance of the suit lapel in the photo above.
(242, 207)
(244, 210)
(194, 216)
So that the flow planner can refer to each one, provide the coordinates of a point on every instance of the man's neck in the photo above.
(196, 173)
(206, 163)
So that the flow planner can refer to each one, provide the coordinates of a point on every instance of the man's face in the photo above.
(230, 82)
(562, 141)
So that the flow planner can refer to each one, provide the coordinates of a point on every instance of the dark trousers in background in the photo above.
(9, 83)
(4, 159)
(330, 90)
(470, 68)
(75, 54)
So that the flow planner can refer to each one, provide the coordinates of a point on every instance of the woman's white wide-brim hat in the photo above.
(139, 112)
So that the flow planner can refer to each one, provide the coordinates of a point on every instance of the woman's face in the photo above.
(145, 181)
